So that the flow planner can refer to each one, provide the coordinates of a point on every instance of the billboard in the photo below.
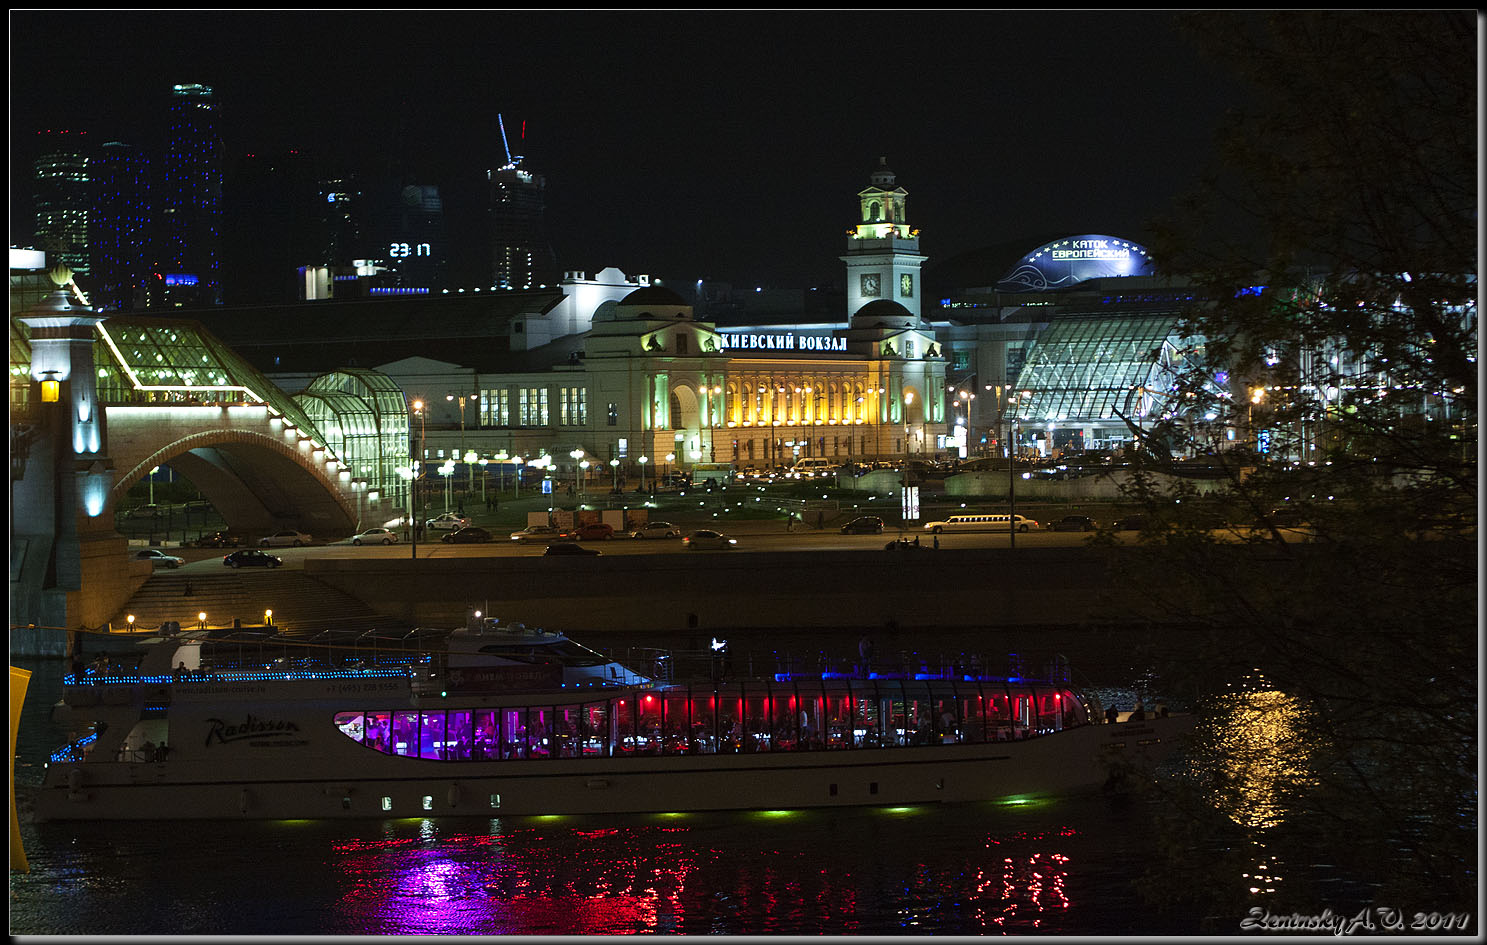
(1069, 261)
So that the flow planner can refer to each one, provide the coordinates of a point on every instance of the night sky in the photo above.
(680, 144)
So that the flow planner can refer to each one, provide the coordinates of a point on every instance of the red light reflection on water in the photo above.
(1028, 886)
(577, 879)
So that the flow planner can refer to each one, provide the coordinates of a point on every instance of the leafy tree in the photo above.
(1338, 383)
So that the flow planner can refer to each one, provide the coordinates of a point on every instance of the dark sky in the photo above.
(728, 145)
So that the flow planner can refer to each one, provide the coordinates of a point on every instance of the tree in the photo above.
(1338, 383)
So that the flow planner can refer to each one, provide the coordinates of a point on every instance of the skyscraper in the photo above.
(521, 257)
(62, 197)
(190, 210)
(120, 229)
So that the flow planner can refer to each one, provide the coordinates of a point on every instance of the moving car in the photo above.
(218, 540)
(1075, 523)
(542, 533)
(448, 522)
(252, 558)
(905, 544)
(864, 524)
(560, 548)
(593, 531)
(158, 559)
(707, 538)
(383, 536)
(657, 530)
(983, 522)
(469, 535)
(287, 537)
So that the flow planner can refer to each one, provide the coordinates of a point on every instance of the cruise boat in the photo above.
(499, 719)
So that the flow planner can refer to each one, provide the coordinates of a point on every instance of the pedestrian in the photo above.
(1112, 715)
(1138, 714)
(1161, 709)
(789, 521)
(937, 541)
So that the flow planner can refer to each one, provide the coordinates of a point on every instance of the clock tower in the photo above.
(883, 256)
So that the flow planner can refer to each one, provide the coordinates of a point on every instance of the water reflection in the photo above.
(789, 872)
(1254, 754)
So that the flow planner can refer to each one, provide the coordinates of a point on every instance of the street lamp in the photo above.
(670, 458)
(415, 468)
(614, 467)
(152, 490)
(446, 469)
(642, 462)
(484, 473)
(578, 464)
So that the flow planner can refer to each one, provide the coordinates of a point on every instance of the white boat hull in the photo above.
(317, 781)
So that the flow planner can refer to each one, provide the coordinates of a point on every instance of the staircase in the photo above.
(299, 602)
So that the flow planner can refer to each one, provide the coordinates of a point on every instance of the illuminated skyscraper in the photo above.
(62, 197)
(521, 257)
(190, 211)
(120, 228)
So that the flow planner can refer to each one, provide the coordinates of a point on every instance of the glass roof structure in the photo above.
(364, 416)
(1095, 368)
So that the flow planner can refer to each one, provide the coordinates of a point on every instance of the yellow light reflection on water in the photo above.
(1261, 752)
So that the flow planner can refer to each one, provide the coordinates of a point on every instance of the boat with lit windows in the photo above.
(498, 718)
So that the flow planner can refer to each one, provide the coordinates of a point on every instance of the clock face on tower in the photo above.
(870, 284)
(906, 285)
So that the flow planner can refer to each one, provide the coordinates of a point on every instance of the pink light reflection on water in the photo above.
(564, 879)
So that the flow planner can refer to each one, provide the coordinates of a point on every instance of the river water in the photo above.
(1055, 867)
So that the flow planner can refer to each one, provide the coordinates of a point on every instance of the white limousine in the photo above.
(983, 523)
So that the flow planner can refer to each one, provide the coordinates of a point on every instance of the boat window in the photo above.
(784, 702)
(705, 714)
(513, 733)
(676, 722)
(648, 724)
(485, 739)
(838, 726)
(596, 731)
(567, 732)
(457, 735)
(352, 725)
(563, 651)
(812, 717)
(379, 731)
(431, 742)
(540, 732)
(404, 733)
(625, 742)
(867, 729)
(758, 730)
(944, 711)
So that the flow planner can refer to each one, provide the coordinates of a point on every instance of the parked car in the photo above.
(560, 548)
(707, 538)
(469, 535)
(1075, 523)
(593, 531)
(252, 558)
(158, 558)
(1131, 523)
(218, 540)
(376, 536)
(657, 530)
(448, 522)
(864, 524)
(287, 537)
(542, 533)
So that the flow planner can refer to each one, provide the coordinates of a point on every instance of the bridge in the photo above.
(98, 402)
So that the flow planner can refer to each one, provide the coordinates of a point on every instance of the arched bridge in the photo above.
(97, 402)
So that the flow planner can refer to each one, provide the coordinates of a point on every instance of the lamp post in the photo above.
(578, 465)
(484, 474)
(670, 457)
(446, 469)
(642, 462)
(153, 471)
(451, 398)
(614, 467)
(415, 468)
(516, 489)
